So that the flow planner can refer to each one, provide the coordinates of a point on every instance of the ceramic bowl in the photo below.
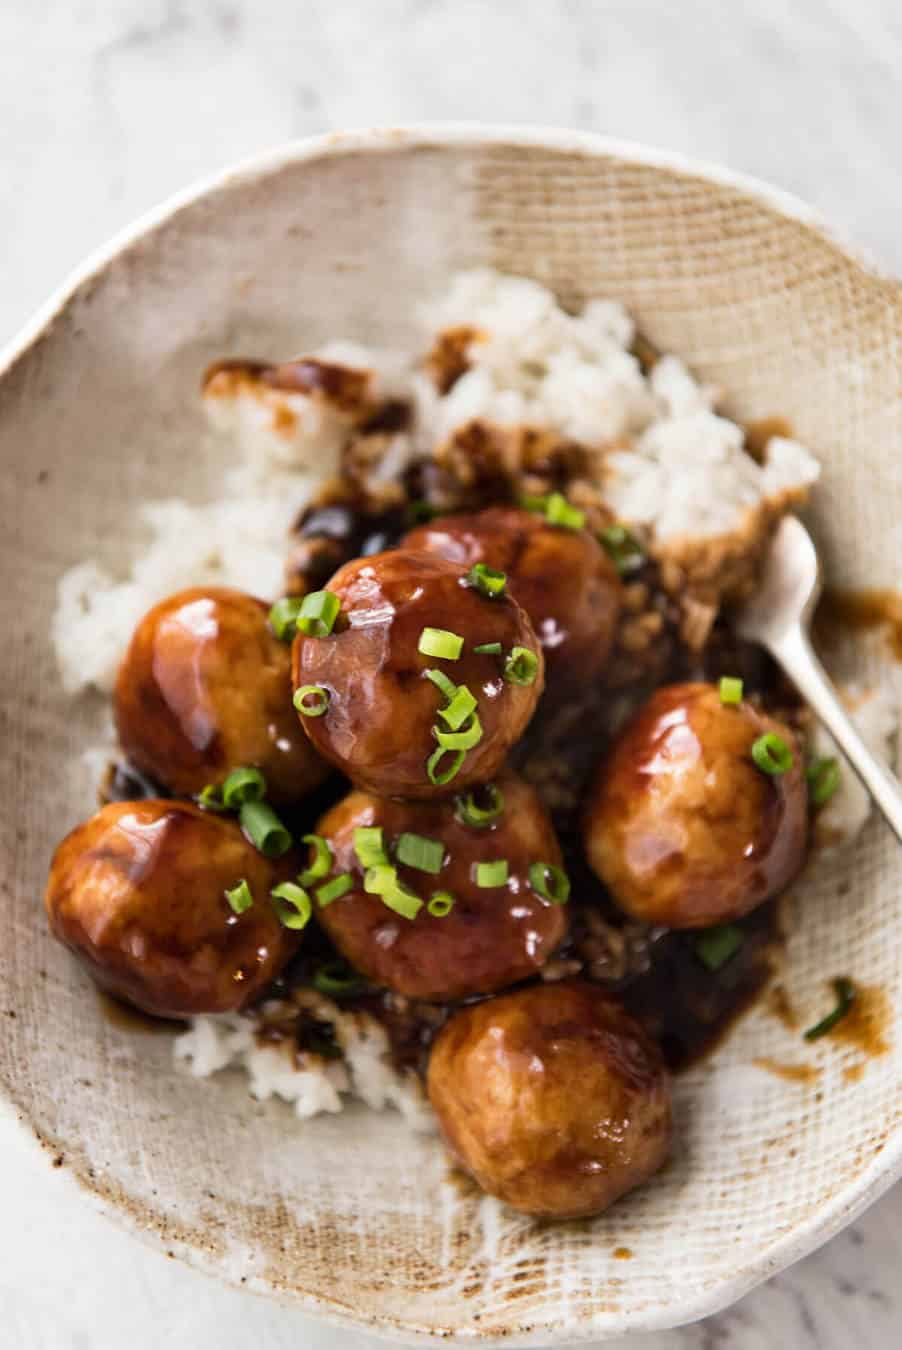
(354, 1217)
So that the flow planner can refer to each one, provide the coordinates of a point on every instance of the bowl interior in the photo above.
(355, 1215)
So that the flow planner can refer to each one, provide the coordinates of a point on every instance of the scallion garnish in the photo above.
(464, 739)
(416, 850)
(442, 683)
(438, 776)
(439, 642)
(622, 548)
(471, 811)
(240, 897)
(264, 829)
(558, 511)
(292, 904)
(844, 990)
(210, 798)
(771, 754)
(441, 903)
(337, 980)
(487, 874)
(311, 700)
(716, 946)
(243, 785)
(550, 881)
(521, 666)
(420, 512)
(730, 689)
(334, 889)
(823, 779)
(384, 882)
(531, 502)
(459, 709)
(283, 617)
(486, 580)
(369, 846)
(317, 614)
(321, 863)
(488, 649)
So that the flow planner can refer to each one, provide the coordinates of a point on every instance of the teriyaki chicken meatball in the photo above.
(481, 919)
(562, 577)
(422, 683)
(204, 688)
(699, 811)
(553, 1098)
(138, 893)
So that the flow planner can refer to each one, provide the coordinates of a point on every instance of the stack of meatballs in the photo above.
(438, 876)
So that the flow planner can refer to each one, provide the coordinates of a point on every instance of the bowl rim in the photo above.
(886, 1166)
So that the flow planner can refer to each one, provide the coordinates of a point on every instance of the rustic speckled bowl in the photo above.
(354, 1217)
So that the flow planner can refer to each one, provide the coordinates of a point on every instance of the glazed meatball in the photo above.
(204, 688)
(138, 894)
(563, 579)
(493, 936)
(382, 707)
(553, 1098)
(681, 825)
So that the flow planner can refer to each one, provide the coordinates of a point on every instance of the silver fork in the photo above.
(777, 617)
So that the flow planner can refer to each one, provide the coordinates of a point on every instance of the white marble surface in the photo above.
(108, 105)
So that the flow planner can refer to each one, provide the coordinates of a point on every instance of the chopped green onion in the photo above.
(459, 709)
(469, 811)
(550, 881)
(558, 511)
(486, 580)
(442, 776)
(844, 990)
(370, 846)
(240, 897)
(622, 548)
(306, 693)
(716, 946)
(823, 779)
(418, 512)
(439, 642)
(530, 502)
(292, 904)
(321, 865)
(283, 617)
(464, 739)
(488, 874)
(488, 649)
(442, 683)
(336, 979)
(416, 850)
(334, 889)
(771, 754)
(264, 829)
(210, 798)
(318, 612)
(384, 882)
(521, 666)
(730, 689)
(243, 785)
(441, 904)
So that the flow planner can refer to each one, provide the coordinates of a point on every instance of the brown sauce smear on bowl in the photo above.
(863, 611)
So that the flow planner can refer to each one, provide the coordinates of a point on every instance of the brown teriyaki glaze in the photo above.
(553, 1098)
(493, 937)
(563, 578)
(138, 894)
(204, 688)
(378, 726)
(682, 826)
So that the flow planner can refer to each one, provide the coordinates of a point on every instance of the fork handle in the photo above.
(795, 654)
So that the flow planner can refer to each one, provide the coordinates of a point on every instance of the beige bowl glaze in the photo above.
(354, 1217)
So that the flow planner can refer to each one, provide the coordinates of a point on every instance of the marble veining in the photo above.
(106, 108)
